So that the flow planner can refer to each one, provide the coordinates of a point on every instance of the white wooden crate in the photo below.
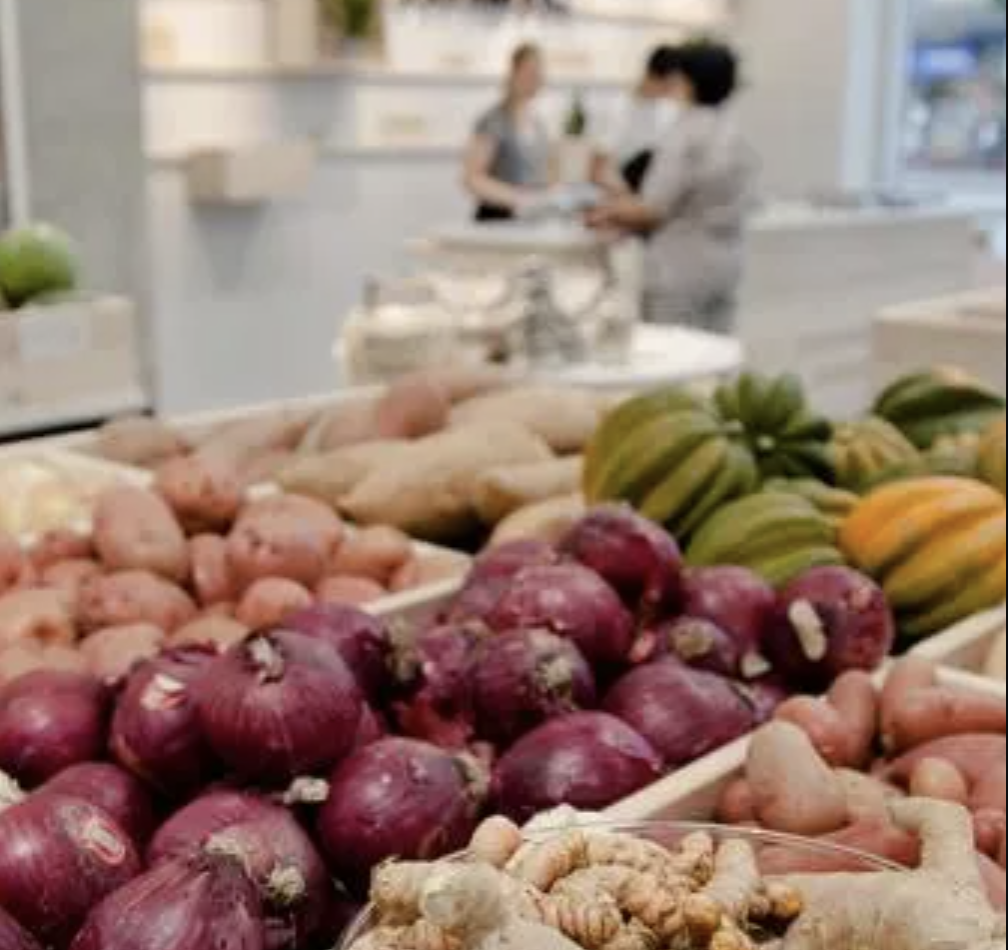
(968, 645)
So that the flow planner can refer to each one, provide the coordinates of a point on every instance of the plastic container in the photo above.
(828, 858)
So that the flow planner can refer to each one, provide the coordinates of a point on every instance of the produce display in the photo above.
(831, 768)
(188, 562)
(592, 887)
(911, 494)
(38, 263)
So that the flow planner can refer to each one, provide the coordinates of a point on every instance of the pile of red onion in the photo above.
(242, 799)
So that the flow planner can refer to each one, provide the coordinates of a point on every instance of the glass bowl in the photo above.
(777, 853)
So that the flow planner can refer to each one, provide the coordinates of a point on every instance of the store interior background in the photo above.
(242, 303)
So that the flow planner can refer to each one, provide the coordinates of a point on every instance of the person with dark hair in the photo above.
(629, 144)
(507, 162)
(696, 199)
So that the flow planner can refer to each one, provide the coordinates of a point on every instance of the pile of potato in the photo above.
(191, 561)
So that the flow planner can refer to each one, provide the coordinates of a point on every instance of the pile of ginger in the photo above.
(589, 888)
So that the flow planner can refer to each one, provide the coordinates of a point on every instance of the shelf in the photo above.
(36, 420)
(433, 152)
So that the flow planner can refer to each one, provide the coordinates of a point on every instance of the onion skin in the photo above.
(208, 904)
(360, 640)
(586, 760)
(60, 858)
(398, 798)
(696, 643)
(279, 706)
(637, 558)
(828, 622)
(734, 599)
(491, 575)
(572, 602)
(683, 713)
(50, 721)
(122, 797)
(525, 677)
(13, 936)
(156, 733)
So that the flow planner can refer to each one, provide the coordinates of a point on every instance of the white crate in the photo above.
(967, 646)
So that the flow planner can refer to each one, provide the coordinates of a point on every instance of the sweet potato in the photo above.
(132, 597)
(329, 478)
(211, 578)
(922, 715)
(217, 632)
(973, 755)
(548, 521)
(907, 675)
(135, 530)
(856, 699)
(565, 419)
(270, 601)
(989, 792)
(989, 831)
(284, 536)
(112, 653)
(41, 616)
(15, 568)
(940, 779)
(501, 492)
(372, 553)
(872, 837)
(995, 664)
(205, 494)
(793, 789)
(138, 441)
(353, 591)
(428, 493)
(736, 805)
(62, 544)
(411, 408)
(823, 724)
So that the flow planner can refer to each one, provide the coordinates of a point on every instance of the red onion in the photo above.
(203, 904)
(279, 705)
(586, 760)
(114, 791)
(492, 573)
(156, 732)
(764, 695)
(359, 639)
(524, 677)
(827, 622)
(13, 936)
(49, 721)
(683, 713)
(59, 858)
(573, 602)
(371, 727)
(398, 798)
(636, 557)
(434, 668)
(273, 850)
(697, 643)
(734, 599)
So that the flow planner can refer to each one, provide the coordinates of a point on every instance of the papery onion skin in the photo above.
(586, 760)
(112, 789)
(206, 904)
(637, 558)
(50, 721)
(360, 640)
(156, 732)
(573, 602)
(524, 677)
(275, 852)
(491, 575)
(734, 599)
(694, 642)
(278, 706)
(398, 798)
(13, 936)
(684, 713)
(60, 858)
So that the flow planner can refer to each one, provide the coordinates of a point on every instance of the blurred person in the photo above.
(695, 201)
(507, 164)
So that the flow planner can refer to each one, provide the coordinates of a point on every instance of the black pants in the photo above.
(489, 213)
(636, 170)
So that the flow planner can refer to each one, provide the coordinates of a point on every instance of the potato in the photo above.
(500, 492)
(16, 569)
(61, 544)
(547, 521)
(219, 633)
(145, 443)
(205, 494)
(373, 553)
(264, 469)
(353, 591)
(428, 492)
(793, 789)
(268, 602)
(210, 572)
(132, 597)
(135, 530)
(332, 476)
(23, 658)
(346, 424)
(565, 419)
(411, 408)
(70, 576)
(284, 536)
(41, 617)
(112, 653)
